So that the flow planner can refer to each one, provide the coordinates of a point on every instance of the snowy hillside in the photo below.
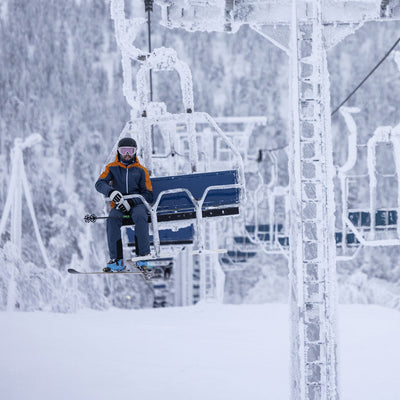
(207, 351)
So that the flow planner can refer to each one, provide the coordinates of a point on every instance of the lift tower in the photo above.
(312, 239)
(304, 29)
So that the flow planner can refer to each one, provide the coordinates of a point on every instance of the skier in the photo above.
(122, 177)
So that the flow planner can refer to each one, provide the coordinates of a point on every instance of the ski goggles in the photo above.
(124, 150)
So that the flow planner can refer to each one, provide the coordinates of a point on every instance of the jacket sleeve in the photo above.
(103, 183)
(145, 188)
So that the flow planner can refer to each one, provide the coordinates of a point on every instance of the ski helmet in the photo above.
(127, 141)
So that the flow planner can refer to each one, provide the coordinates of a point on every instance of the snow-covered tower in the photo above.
(312, 238)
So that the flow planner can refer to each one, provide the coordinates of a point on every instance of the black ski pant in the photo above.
(139, 217)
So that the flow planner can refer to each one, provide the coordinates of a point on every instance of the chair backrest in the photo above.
(382, 218)
(197, 184)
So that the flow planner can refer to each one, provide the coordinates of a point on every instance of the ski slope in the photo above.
(208, 351)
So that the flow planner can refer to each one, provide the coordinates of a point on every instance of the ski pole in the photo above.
(93, 218)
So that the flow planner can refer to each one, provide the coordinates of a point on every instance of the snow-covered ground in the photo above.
(208, 351)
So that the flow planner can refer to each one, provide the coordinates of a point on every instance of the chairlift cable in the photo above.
(276, 148)
(148, 6)
(271, 149)
(370, 73)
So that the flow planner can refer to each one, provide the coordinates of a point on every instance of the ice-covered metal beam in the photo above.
(229, 15)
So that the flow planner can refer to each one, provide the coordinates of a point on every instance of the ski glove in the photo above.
(120, 202)
(123, 206)
(115, 196)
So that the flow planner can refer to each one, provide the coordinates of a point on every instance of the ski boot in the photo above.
(144, 267)
(114, 266)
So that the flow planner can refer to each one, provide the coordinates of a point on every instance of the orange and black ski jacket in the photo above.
(128, 179)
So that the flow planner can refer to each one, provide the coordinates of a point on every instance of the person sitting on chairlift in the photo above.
(122, 177)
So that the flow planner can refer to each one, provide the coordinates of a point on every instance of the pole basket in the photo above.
(148, 4)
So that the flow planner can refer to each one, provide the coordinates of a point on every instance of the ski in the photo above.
(131, 269)
(74, 271)
(147, 274)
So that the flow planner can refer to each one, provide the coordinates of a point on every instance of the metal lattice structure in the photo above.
(312, 247)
